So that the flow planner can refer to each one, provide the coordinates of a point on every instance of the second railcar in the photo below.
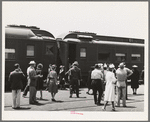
(89, 49)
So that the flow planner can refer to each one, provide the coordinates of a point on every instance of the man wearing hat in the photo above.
(135, 79)
(75, 76)
(62, 77)
(28, 81)
(97, 78)
(15, 78)
(121, 75)
(32, 82)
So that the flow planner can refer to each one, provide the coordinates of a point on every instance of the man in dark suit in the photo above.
(15, 78)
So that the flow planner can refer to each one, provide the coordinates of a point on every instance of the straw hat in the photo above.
(32, 62)
(75, 63)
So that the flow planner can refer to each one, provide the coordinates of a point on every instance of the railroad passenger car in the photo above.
(26, 43)
(90, 48)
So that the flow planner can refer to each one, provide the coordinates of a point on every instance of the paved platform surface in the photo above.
(85, 102)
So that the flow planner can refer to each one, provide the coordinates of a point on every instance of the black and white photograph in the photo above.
(75, 60)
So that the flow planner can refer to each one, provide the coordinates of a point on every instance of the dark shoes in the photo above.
(134, 93)
(99, 104)
(33, 103)
(16, 107)
(53, 100)
(113, 109)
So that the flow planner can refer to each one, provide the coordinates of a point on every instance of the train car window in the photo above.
(103, 56)
(49, 49)
(135, 57)
(82, 52)
(121, 57)
(30, 50)
(10, 54)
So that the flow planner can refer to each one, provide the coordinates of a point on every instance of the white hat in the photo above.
(32, 62)
(75, 63)
(121, 64)
(100, 64)
(111, 66)
(134, 66)
(105, 65)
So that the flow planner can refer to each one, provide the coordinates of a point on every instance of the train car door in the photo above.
(71, 53)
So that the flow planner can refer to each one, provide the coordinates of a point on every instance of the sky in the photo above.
(123, 19)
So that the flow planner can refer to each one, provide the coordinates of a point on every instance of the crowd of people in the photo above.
(104, 80)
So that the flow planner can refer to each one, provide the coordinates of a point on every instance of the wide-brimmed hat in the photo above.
(114, 65)
(121, 64)
(40, 66)
(134, 66)
(75, 63)
(32, 62)
(111, 66)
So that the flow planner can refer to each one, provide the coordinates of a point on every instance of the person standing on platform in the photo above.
(129, 73)
(105, 70)
(89, 80)
(62, 77)
(40, 79)
(97, 79)
(135, 79)
(121, 74)
(32, 88)
(15, 78)
(110, 88)
(28, 83)
(52, 79)
(142, 75)
(75, 78)
(47, 83)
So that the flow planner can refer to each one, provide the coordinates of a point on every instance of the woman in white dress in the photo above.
(110, 88)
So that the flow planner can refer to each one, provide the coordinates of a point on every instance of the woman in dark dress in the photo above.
(135, 79)
(40, 79)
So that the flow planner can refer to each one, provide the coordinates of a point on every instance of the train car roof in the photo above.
(104, 42)
(92, 36)
(27, 33)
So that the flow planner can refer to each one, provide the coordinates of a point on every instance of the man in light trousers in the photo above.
(121, 75)
(15, 78)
